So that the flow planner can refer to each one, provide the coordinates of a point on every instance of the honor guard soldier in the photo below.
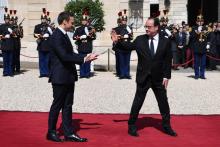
(42, 32)
(125, 34)
(84, 36)
(116, 29)
(51, 25)
(163, 25)
(17, 35)
(199, 40)
(7, 45)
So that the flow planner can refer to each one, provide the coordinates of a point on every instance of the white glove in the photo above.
(126, 36)
(207, 46)
(128, 29)
(168, 32)
(86, 31)
(10, 30)
(199, 28)
(46, 35)
(83, 37)
(7, 36)
(50, 30)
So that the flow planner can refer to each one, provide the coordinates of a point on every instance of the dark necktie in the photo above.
(152, 46)
(67, 37)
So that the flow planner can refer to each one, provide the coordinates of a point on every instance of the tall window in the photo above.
(154, 8)
(3, 4)
(136, 13)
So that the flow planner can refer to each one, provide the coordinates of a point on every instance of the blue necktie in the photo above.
(152, 46)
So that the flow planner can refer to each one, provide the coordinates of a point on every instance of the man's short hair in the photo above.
(63, 16)
(156, 21)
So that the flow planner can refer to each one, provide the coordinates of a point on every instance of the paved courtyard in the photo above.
(104, 93)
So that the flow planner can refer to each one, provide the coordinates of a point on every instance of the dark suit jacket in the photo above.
(214, 41)
(62, 59)
(157, 67)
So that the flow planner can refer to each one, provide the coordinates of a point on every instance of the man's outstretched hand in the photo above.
(91, 57)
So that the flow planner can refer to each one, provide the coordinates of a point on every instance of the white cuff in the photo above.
(83, 37)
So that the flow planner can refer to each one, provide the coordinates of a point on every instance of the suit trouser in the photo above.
(182, 55)
(63, 99)
(200, 64)
(43, 63)
(7, 62)
(175, 57)
(161, 97)
(212, 63)
(124, 63)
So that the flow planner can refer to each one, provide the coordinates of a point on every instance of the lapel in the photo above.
(145, 46)
(67, 40)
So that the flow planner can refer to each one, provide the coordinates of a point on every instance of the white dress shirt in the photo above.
(155, 41)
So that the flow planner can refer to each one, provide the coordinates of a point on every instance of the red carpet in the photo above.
(24, 129)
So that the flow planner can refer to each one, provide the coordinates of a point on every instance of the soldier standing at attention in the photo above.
(199, 40)
(125, 35)
(164, 31)
(84, 36)
(7, 45)
(17, 35)
(116, 29)
(42, 32)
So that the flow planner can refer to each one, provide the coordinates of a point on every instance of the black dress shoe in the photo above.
(121, 77)
(132, 130)
(168, 130)
(196, 78)
(75, 138)
(43, 75)
(53, 136)
(128, 77)
(203, 78)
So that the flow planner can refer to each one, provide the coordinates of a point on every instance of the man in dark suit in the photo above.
(63, 75)
(153, 71)
(180, 39)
